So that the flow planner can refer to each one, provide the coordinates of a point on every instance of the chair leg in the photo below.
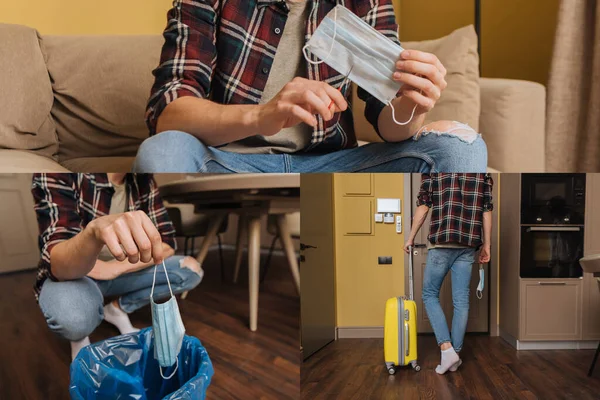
(221, 258)
(242, 232)
(267, 264)
(193, 246)
(594, 361)
(185, 246)
(253, 268)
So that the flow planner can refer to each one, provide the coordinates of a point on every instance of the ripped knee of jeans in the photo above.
(191, 264)
(456, 129)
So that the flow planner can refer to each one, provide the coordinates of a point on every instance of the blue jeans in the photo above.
(73, 309)
(439, 263)
(175, 151)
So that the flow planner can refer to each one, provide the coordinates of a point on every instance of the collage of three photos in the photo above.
(299, 199)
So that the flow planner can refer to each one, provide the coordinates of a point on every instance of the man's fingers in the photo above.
(302, 114)
(141, 239)
(109, 237)
(422, 101)
(308, 99)
(335, 95)
(123, 231)
(424, 57)
(418, 83)
(155, 239)
(418, 68)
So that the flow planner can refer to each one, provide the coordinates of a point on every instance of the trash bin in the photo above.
(124, 367)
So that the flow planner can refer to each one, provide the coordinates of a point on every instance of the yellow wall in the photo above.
(80, 17)
(517, 35)
(363, 286)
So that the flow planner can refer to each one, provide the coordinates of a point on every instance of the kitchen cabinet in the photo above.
(550, 309)
(591, 286)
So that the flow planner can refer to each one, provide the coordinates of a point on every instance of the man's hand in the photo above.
(130, 235)
(409, 243)
(423, 76)
(297, 102)
(484, 254)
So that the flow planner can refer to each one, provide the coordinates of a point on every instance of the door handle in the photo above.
(306, 246)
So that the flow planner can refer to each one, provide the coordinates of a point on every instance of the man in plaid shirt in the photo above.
(100, 234)
(461, 224)
(233, 93)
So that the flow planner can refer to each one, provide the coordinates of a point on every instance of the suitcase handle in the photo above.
(407, 341)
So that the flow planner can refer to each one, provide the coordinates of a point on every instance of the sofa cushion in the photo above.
(26, 100)
(461, 99)
(101, 86)
(95, 164)
(20, 161)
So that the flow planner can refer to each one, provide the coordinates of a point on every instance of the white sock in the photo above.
(78, 345)
(455, 366)
(118, 318)
(449, 358)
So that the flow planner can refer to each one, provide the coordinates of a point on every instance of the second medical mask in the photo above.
(348, 44)
(481, 282)
(167, 327)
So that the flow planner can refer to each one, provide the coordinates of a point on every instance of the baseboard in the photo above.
(557, 345)
(548, 345)
(360, 332)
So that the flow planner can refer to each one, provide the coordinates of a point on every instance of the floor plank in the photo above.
(492, 369)
(34, 363)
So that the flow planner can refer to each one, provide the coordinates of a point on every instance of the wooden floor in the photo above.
(34, 363)
(354, 369)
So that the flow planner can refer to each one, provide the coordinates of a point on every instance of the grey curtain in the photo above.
(573, 120)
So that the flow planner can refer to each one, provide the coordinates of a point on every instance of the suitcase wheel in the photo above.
(417, 368)
(391, 370)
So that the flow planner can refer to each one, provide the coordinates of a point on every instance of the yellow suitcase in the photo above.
(400, 330)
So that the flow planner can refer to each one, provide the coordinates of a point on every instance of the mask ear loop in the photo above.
(154, 280)
(152, 297)
(479, 292)
(305, 48)
(394, 114)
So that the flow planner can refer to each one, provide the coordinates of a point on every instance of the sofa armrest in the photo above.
(512, 121)
(20, 161)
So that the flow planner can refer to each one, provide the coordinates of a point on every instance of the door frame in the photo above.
(494, 265)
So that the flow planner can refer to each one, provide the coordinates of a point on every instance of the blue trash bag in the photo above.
(124, 367)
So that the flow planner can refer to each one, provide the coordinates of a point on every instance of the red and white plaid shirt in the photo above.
(458, 202)
(224, 50)
(66, 203)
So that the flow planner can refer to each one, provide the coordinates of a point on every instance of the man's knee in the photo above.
(72, 309)
(450, 128)
(191, 271)
(167, 150)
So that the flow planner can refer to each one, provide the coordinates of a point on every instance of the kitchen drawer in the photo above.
(550, 309)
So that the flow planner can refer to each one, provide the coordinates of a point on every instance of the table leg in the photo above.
(211, 234)
(253, 268)
(242, 232)
(288, 247)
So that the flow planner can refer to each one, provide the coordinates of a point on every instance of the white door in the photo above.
(18, 224)
(479, 309)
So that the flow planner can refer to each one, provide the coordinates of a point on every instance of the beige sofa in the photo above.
(73, 103)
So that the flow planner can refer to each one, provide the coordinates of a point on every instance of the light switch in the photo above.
(378, 217)
(398, 223)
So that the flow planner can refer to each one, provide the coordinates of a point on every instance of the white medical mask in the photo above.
(481, 281)
(349, 45)
(168, 329)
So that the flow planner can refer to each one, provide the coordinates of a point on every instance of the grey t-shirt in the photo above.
(118, 204)
(287, 64)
